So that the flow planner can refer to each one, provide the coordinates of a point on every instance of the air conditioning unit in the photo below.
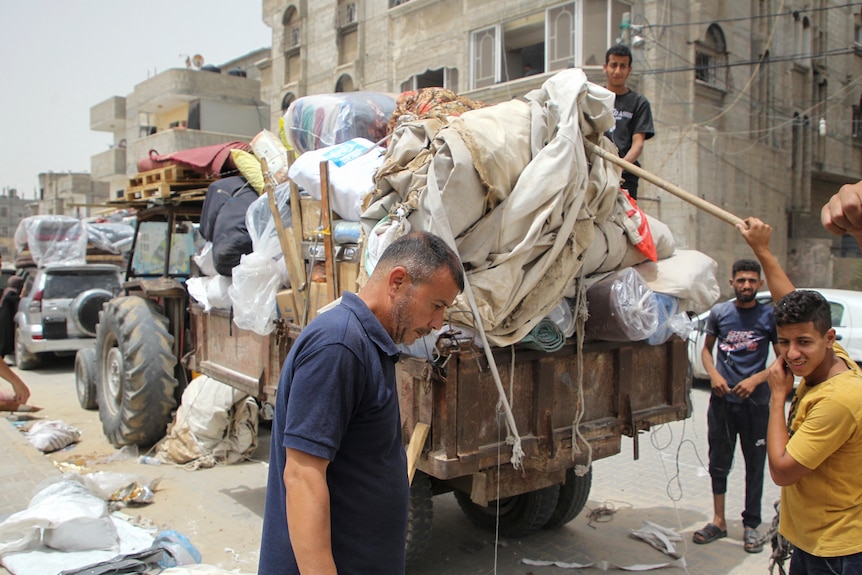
(347, 14)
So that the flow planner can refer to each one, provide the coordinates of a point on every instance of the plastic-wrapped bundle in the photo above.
(621, 308)
(115, 238)
(52, 239)
(322, 120)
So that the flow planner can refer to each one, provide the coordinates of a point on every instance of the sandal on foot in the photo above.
(751, 541)
(709, 533)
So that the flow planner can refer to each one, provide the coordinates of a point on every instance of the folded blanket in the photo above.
(546, 336)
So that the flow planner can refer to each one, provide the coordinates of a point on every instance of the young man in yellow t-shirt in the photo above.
(815, 456)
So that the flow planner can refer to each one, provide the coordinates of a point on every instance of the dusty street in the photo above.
(220, 509)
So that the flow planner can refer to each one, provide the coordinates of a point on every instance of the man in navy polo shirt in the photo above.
(337, 492)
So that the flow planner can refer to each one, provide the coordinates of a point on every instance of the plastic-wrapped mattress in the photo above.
(322, 120)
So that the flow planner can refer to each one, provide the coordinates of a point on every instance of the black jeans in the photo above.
(802, 563)
(725, 421)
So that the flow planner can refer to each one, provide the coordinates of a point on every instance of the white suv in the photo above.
(59, 309)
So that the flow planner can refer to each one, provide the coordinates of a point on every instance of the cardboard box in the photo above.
(310, 210)
(284, 304)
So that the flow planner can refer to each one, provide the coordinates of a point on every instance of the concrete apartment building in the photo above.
(181, 108)
(13, 208)
(758, 105)
(69, 194)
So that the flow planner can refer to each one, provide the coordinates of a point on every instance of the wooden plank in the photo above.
(328, 246)
(289, 250)
(414, 448)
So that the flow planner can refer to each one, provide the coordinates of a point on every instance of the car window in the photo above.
(837, 314)
(59, 285)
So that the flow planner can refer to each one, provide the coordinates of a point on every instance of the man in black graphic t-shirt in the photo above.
(631, 110)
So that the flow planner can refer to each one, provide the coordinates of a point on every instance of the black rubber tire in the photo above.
(573, 497)
(85, 378)
(136, 364)
(420, 516)
(519, 515)
(23, 358)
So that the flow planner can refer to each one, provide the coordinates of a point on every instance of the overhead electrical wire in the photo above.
(780, 13)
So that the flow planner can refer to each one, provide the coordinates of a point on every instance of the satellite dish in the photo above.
(197, 60)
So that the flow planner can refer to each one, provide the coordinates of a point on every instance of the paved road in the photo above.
(221, 509)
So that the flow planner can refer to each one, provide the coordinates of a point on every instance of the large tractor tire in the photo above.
(85, 378)
(573, 497)
(419, 517)
(519, 515)
(137, 383)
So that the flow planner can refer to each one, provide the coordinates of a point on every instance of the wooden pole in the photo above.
(287, 247)
(326, 223)
(296, 217)
(696, 201)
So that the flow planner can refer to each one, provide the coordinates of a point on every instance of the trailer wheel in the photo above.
(135, 356)
(419, 517)
(85, 378)
(573, 497)
(519, 515)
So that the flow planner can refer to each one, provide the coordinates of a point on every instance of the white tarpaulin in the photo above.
(514, 185)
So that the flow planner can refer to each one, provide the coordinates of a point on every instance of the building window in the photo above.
(545, 41)
(348, 15)
(287, 101)
(345, 84)
(292, 44)
(533, 44)
(394, 3)
(803, 42)
(857, 121)
(710, 58)
(348, 34)
(439, 78)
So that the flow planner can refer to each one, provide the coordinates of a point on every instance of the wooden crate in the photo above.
(164, 182)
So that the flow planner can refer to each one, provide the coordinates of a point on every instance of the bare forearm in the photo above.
(778, 282)
(307, 511)
(776, 440)
(636, 148)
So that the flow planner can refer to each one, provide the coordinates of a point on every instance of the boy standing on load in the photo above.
(632, 113)
(816, 454)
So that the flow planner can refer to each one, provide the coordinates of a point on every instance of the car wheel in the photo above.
(85, 378)
(23, 358)
(136, 365)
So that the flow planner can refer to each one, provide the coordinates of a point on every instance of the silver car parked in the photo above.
(59, 309)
